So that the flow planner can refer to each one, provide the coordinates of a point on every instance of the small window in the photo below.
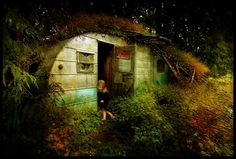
(85, 67)
(85, 57)
(85, 62)
(160, 65)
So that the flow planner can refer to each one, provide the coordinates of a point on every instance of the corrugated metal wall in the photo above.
(143, 65)
(80, 87)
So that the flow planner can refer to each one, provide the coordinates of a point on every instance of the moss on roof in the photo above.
(129, 30)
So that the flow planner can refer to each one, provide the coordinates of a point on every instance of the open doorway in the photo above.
(105, 51)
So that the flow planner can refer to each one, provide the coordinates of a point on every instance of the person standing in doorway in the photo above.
(103, 99)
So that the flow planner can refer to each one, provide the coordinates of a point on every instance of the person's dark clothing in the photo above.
(105, 97)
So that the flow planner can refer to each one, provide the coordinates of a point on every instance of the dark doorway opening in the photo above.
(105, 51)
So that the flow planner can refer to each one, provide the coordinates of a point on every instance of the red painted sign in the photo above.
(123, 54)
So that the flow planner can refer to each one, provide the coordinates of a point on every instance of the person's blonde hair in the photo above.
(102, 83)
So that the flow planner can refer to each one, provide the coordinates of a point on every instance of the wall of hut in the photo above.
(74, 65)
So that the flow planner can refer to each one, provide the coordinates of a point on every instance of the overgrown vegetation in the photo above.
(71, 131)
(29, 101)
(157, 121)
(217, 52)
(186, 68)
(29, 104)
(196, 120)
(95, 22)
(172, 120)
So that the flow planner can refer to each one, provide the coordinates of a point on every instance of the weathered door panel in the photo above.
(123, 71)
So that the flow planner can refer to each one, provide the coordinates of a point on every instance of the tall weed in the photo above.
(172, 120)
(202, 116)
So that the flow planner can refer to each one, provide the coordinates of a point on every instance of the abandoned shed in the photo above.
(76, 64)
(118, 51)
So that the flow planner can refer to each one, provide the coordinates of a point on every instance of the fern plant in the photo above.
(17, 84)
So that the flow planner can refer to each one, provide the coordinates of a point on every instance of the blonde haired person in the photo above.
(103, 99)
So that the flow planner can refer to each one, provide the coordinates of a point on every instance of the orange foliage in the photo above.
(102, 21)
(208, 129)
(195, 63)
(187, 62)
(59, 137)
(204, 121)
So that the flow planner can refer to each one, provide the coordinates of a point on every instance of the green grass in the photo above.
(157, 121)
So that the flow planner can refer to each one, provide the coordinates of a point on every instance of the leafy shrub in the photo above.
(27, 108)
(139, 118)
(109, 151)
(72, 130)
(217, 53)
(171, 120)
(17, 84)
